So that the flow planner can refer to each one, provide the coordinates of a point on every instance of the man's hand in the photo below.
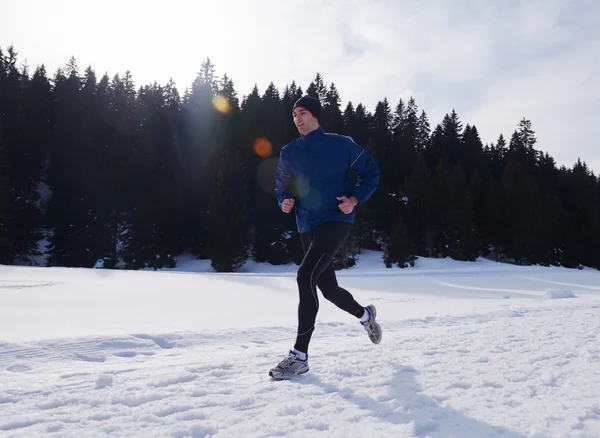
(347, 204)
(287, 205)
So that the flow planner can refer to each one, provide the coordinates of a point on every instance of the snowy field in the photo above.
(469, 350)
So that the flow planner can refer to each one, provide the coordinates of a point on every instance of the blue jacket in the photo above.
(315, 169)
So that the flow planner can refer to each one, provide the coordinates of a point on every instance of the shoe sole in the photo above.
(377, 341)
(374, 316)
(286, 377)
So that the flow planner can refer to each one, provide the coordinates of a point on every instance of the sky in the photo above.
(494, 63)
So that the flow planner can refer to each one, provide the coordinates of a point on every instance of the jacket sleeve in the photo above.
(283, 178)
(362, 162)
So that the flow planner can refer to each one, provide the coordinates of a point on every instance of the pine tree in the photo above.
(423, 133)
(317, 88)
(494, 221)
(229, 216)
(6, 206)
(366, 235)
(362, 127)
(382, 203)
(544, 209)
(460, 230)
(477, 178)
(346, 257)
(332, 119)
(435, 148)
(198, 145)
(35, 132)
(10, 106)
(153, 238)
(349, 121)
(568, 247)
(68, 207)
(400, 250)
(437, 236)
(580, 199)
(356, 126)
(108, 177)
(206, 77)
(405, 142)
(269, 223)
(290, 95)
(27, 154)
(495, 156)
(470, 155)
(381, 133)
(419, 217)
(521, 146)
(22, 175)
(452, 139)
(478, 187)
(90, 150)
(551, 227)
(523, 214)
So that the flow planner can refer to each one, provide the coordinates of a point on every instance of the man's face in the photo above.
(304, 120)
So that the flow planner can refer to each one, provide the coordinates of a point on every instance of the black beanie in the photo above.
(311, 104)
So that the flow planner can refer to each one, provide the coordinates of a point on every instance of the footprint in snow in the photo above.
(71, 375)
(89, 358)
(18, 368)
(161, 342)
(133, 353)
(5, 399)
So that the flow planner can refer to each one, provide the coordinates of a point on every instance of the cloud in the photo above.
(493, 63)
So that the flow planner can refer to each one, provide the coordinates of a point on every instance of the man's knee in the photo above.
(308, 274)
(303, 275)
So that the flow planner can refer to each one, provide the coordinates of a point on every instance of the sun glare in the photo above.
(262, 147)
(221, 104)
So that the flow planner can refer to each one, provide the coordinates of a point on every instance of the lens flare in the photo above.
(221, 104)
(265, 174)
(302, 185)
(313, 201)
(262, 147)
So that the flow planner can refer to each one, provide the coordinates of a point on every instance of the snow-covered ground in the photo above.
(469, 350)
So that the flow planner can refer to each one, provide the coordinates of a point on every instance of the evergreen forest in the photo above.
(109, 173)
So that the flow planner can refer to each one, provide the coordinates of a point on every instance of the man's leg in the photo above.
(338, 295)
(328, 281)
(320, 248)
(344, 299)
(296, 362)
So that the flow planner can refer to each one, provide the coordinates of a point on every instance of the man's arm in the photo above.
(362, 162)
(283, 178)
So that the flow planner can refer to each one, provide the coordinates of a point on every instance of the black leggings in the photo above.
(320, 246)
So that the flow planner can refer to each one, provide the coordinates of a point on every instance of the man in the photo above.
(313, 178)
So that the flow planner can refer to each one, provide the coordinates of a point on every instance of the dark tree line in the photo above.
(116, 175)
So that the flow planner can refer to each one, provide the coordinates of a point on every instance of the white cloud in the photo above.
(494, 62)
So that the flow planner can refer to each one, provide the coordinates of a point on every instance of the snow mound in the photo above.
(559, 293)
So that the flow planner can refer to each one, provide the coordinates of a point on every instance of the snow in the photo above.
(478, 349)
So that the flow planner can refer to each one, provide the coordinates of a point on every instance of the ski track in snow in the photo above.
(490, 375)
